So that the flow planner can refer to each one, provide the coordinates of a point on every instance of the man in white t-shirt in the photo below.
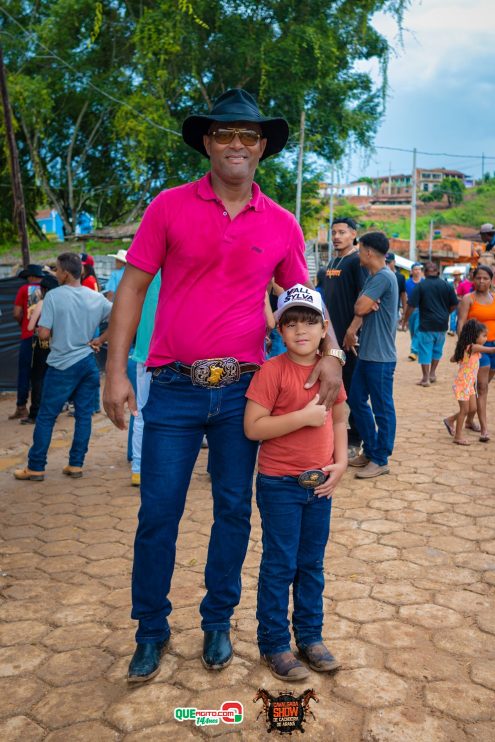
(70, 316)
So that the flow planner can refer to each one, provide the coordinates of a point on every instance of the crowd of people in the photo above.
(198, 353)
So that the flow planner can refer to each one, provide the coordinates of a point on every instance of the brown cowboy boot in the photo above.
(19, 412)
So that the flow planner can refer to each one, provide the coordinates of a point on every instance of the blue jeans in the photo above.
(24, 371)
(296, 526)
(374, 381)
(453, 321)
(413, 329)
(176, 416)
(78, 382)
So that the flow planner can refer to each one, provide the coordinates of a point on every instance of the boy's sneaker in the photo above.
(285, 666)
(360, 460)
(319, 658)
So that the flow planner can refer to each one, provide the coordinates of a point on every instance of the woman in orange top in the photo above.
(480, 305)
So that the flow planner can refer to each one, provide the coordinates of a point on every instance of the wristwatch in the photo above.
(336, 353)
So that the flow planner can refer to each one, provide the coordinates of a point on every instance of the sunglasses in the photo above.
(248, 137)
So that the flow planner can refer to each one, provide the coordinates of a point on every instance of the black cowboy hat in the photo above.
(31, 270)
(236, 105)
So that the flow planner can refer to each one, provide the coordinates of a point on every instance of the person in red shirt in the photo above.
(88, 275)
(28, 295)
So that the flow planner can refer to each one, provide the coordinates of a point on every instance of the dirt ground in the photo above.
(409, 598)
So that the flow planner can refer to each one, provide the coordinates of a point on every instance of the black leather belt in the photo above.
(213, 373)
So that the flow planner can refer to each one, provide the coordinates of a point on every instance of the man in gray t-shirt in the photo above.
(70, 317)
(376, 310)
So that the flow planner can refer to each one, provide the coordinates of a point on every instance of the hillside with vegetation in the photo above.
(477, 207)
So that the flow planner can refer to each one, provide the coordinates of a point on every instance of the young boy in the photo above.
(302, 458)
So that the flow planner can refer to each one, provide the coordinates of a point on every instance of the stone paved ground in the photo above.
(409, 600)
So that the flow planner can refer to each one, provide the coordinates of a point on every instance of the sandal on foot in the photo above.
(450, 429)
(423, 383)
(484, 438)
(461, 443)
(474, 427)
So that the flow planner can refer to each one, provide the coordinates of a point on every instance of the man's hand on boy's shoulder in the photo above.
(335, 472)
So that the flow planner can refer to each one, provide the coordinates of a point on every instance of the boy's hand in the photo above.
(336, 472)
(315, 414)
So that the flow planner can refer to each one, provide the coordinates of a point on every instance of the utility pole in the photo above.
(412, 236)
(389, 178)
(300, 159)
(430, 246)
(330, 216)
(482, 165)
(15, 171)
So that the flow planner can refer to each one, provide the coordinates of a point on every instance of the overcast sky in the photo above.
(441, 88)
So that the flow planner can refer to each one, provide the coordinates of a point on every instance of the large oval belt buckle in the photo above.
(214, 373)
(311, 478)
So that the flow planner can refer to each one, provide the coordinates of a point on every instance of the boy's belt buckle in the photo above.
(311, 478)
(214, 373)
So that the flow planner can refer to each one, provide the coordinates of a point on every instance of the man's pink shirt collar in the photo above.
(206, 192)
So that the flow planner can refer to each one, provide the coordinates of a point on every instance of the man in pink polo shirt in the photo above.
(207, 342)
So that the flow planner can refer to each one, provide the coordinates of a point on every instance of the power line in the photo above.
(88, 82)
(434, 154)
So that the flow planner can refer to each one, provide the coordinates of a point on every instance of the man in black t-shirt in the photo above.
(343, 283)
(435, 299)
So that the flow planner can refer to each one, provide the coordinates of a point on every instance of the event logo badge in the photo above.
(285, 713)
(230, 712)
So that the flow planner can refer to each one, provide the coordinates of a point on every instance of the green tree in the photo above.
(100, 89)
(452, 188)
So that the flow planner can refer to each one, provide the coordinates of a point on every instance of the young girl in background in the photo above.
(467, 354)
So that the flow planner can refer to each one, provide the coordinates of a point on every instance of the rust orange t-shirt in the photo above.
(279, 386)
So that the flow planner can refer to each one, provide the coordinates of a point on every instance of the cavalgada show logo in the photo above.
(286, 712)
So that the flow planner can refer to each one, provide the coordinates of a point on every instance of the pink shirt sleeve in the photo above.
(149, 245)
(293, 269)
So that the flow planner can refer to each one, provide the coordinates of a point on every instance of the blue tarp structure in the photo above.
(10, 334)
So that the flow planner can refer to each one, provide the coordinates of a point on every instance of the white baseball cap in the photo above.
(119, 255)
(300, 296)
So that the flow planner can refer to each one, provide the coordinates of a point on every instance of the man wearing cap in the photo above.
(27, 296)
(207, 342)
(69, 317)
(115, 275)
(487, 234)
(373, 377)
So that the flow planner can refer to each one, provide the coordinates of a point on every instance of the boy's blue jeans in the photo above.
(374, 380)
(296, 526)
(78, 382)
(176, 416)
